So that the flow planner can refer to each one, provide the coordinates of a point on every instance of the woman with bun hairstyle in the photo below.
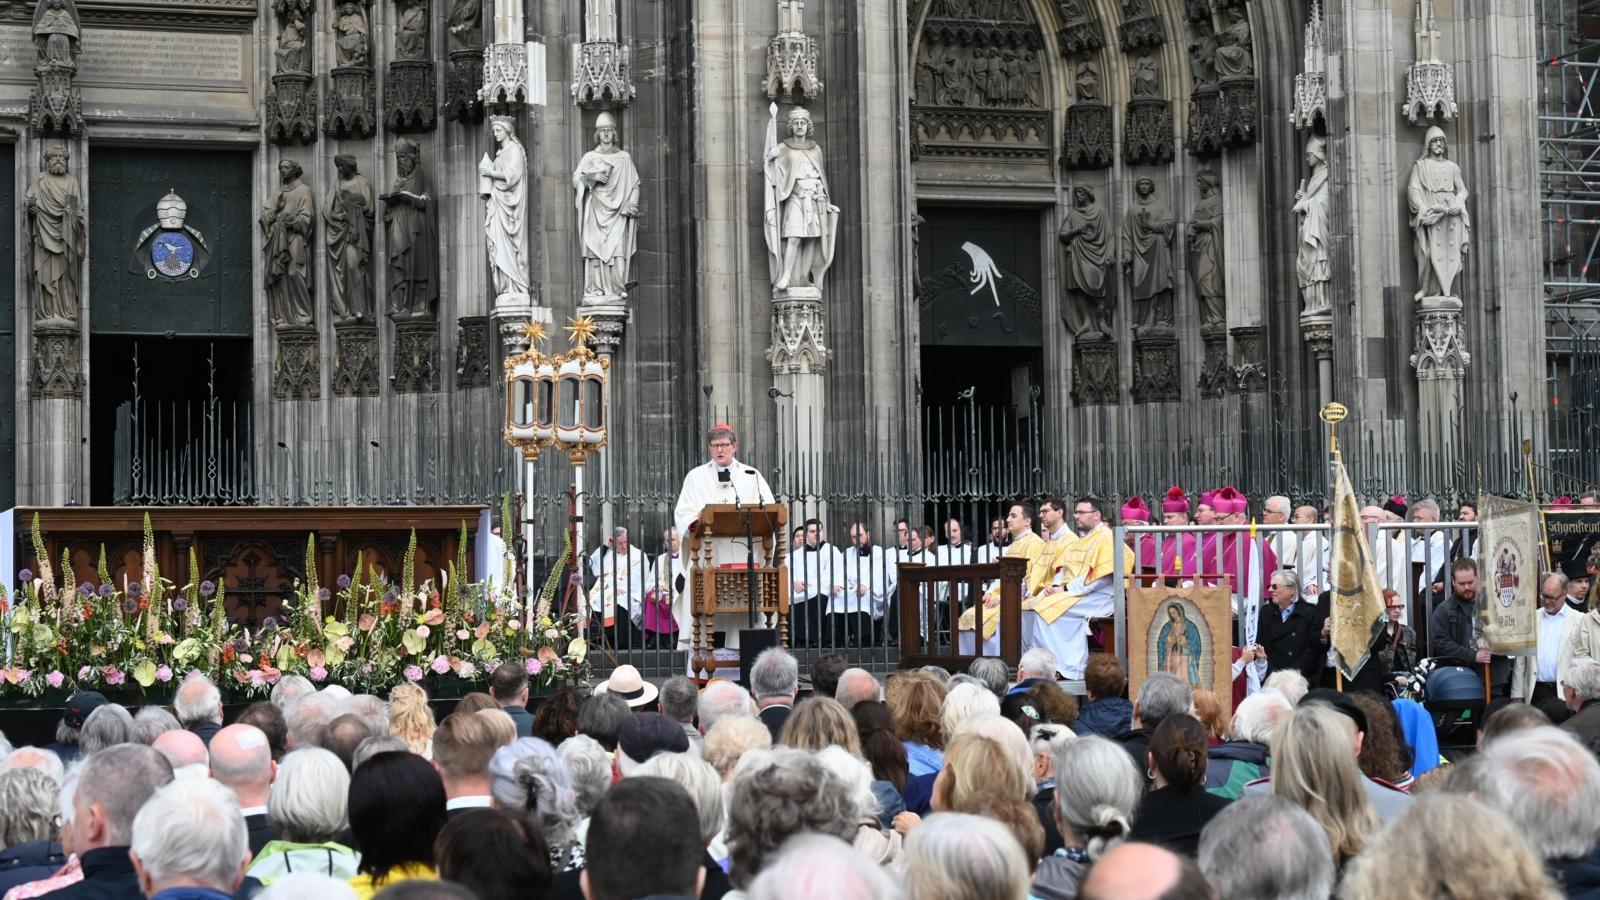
(1178, 806)
(1097, 791)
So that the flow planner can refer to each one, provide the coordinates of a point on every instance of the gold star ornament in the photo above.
(581, 330)
(533, 332)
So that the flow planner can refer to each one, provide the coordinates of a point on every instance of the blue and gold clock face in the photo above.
(172, 253)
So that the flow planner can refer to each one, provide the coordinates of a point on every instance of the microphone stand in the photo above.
(749, 550)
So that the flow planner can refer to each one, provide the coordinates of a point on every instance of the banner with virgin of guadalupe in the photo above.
(1184, 631)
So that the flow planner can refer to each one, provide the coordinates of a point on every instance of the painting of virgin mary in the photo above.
(1179, 647)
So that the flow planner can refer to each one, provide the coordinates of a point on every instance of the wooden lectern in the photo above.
(719, 583)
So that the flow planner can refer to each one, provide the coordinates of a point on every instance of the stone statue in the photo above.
(350, 26)
(291, 50)
(502, 182)
(465, 25)
(1203, 54)
(790, 13)
(1088, 83)
(1147, 254)
(600, 20)
(286, 224)
(1205, 251)
(800, 221)
(1438, 200)
(56, 33)
(413, 236)
(1235, 59)
(1146, 78)
(56, 241)
(607, 188)
(1311, 264)
(1089, 310)
(411, 32)
(348, 217)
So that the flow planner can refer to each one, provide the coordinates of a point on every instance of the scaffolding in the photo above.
(1569, 197)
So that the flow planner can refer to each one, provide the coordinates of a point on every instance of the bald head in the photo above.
(181, 748)
(241, 758)
(1144, 872)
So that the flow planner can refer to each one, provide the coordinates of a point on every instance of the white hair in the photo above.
(1037, 663)
(41, 758)
(1048, 737)
(721, 699)
(307, 802)
(1288, 682)
(855, 776)
(699, 779)
(1267, 848)
(775, 673)
(197, 701)
(1583, 676)
(959, 855)
(1278, 503)
(527, 777)
(966, 701)
(371, 709)
(191, 829)
(308, 717)
(1258, 715)
(1548, 785)
(1097, 790)
(152, 722)
(813, 866)
(857, 686)
(1162, 694)
(300, 885)
(991, 672)
(109, 724)
(590, 767)
(289, 689)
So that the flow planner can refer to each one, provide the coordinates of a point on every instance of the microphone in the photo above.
(725, 476)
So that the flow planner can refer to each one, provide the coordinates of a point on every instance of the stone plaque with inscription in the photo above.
(125, 56)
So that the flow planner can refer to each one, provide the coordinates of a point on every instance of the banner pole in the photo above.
(1486, 685)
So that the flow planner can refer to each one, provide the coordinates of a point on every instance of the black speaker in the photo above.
(752, 641)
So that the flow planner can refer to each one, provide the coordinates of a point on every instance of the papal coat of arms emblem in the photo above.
(170, 248)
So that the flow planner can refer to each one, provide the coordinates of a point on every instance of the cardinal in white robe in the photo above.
(617, 598)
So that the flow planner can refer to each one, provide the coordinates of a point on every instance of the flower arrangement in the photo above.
(368, 635)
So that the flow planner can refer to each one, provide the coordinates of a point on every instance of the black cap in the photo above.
(645, 734)
(1340, 702)
(79, 706)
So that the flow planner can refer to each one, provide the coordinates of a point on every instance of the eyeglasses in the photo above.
(721, 445)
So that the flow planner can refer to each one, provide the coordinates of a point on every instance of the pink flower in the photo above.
(441, 664)
(551, 633)
(258, 678)
(467, 670)
(413, 673)
(561, 664)
(533, 665)
(318, 673)
(114, 676)
(55, 679)
(366, 669)
(83, 673)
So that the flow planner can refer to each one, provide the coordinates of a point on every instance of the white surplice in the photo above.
(871, 570)
(622, 583)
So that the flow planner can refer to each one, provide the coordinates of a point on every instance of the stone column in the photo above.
(1441, 361)
(799, 358)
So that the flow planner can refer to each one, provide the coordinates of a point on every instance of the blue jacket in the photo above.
(1107, 717)
(22, 863)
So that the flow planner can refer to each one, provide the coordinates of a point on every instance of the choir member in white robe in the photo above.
(494, 562)
(955, 551)
(671, 588)
(816, 576)
(869, 585)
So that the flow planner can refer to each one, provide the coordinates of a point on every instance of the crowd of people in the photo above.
(984, 785)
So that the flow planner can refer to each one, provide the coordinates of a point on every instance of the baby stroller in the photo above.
(1453, 696)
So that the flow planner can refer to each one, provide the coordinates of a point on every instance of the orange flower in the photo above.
(228, 653)
(433, 601)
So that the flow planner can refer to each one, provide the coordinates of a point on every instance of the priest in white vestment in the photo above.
(1079, 588)
(816, 576)
(721, 480)
(616, 601)
(869, 586)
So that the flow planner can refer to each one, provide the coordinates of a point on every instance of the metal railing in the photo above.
(184, 453)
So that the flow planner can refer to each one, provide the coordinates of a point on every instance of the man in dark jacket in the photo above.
(509, 688)
(1452, 629)
(1162, 695)
(1289, 633)
(112, 785)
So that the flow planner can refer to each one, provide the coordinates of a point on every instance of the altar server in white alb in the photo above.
(724, 479)
(817, 581)
(869, 584)
(617, 599)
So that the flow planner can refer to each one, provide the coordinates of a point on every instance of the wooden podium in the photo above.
(719, 583)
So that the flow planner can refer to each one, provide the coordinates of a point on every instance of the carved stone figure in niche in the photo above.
(411, 32)
(1146, 78)
(502, 182)
(1439, 222)
(291, 50)
(350, 46)
(607, 188)
(1088, 83)
(349, 217)
(1311, 264)
(286, 224)
(408, 219)
(1089, 307)
(1203, 54)
(1147, 255)
(943, 76)
(465, 25)
(600, 18)
(56, 241)
(1205, 251)
(1235, 59)
(56, 34)
(800, 220)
